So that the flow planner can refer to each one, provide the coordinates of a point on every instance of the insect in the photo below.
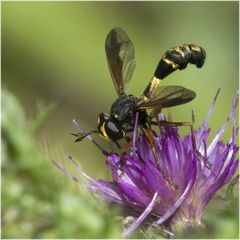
(121, 61)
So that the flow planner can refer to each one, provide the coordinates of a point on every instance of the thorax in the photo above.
(123, 108)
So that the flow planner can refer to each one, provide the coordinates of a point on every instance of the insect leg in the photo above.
(123, 149)
(186, 124)
(178, 124)
(148, 132)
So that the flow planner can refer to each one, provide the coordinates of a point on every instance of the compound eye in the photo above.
(114, 130)
(110, 130)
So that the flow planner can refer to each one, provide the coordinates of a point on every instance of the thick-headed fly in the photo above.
(121, 61)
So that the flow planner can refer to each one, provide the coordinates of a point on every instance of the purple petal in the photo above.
(235, 128)
(135, 133)
(218, 184)
(136, 176)
(172, 155)
(201, 140)
(217, 136)
(231, 171)
(97, 186)
(218, 162)
(133, 193)
(156, 182)
(70, 175)
(109, 195)
(142, 217)
(222, 129)
(177, 204)
(205, 123)
(188, 168)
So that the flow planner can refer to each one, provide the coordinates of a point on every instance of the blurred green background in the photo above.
(53, 53)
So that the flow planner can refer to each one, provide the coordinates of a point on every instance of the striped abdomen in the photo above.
(178, 58)
(175, 58)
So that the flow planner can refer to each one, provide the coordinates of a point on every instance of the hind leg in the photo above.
(184, 124)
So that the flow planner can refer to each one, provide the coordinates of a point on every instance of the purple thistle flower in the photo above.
(141, 190)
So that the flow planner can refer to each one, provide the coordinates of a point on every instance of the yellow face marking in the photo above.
(98, 120)
(169, 62)
(103, 132)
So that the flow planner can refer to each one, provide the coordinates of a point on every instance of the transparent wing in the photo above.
(169, 96)
(121, 59)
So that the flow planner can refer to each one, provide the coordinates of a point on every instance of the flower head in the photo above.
(142, 190)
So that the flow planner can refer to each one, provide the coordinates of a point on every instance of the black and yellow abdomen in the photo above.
(178, 58)
(173, 59)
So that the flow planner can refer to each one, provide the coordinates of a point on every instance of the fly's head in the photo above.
(109, 128)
